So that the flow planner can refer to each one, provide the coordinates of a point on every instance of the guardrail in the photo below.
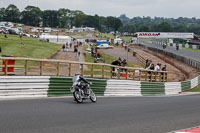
(46, 67)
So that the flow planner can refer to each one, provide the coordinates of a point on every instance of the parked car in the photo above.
(104, 46)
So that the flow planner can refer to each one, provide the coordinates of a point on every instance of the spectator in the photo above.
(116, 63)
(164, 68)
(5, 36)
(177, 47)
(123, 64)
(151, 73)
(157, 67)
(63, 47)
(79, 53)
(70, 45)
(148, 64)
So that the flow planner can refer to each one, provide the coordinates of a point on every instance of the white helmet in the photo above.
(77, 73)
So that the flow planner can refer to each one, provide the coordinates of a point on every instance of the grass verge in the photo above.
(196, 89)
(27, 47)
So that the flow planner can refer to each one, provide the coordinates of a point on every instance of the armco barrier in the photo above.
(23, 86)
(199, 80)
(186, 85)
(60, 86)
(152, 89)
(172, 88)
(123, 88)
(44, 86)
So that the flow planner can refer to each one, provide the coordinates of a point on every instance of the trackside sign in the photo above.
(164, 35)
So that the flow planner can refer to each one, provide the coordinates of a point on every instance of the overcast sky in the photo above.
(132, 8)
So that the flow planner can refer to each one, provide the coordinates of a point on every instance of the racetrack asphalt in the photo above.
(181, 52)
(108, 115)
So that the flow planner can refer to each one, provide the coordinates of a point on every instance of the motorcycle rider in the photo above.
(84, 83)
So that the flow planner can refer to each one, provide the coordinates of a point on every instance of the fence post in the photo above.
(92, 71)
(126, 74)
(26, 67)
(133, 74)
(146, 75)
(103, 71)
(159, 76)
(151, 76)
(118, 75)
(69, 70)
(58, 64)
(40, 68)
(111, 72)
(82, 73)
(6, 66)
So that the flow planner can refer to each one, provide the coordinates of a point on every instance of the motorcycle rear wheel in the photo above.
(77, 97)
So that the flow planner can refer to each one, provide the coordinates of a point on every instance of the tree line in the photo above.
(62, 18)
(65, 18)
(160, 24)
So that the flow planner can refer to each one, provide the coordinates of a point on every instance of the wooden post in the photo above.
(133, 74)
(58, 64)
(160, 76)
(26, 67)
(146, 75)
(126, 74)
(6, 67)
(69, 69)
(118, 75)
(165, 77)
(103, 71)
(40, 68)
(140, 75)
(92, 71)
(82, 72)
(111, 72)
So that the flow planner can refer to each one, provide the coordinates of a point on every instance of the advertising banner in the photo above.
(164, 35)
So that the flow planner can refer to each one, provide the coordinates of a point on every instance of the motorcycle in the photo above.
(78, 92)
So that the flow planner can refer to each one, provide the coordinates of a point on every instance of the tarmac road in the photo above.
(181, 52)
(108, 115)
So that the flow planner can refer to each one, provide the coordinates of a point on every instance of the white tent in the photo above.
(118, 41)
(55, 39)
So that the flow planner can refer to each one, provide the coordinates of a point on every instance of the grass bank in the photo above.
(27, 47)
(197, 89)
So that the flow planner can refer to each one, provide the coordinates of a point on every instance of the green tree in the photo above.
(50, 18)
(64, 17)
(12, 14)
(164, 27)
(31, 16)
(79, 19)
(144, 28)
(2, 14)
(113, 23)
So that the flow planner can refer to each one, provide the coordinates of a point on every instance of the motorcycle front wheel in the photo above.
(93, 97)
(77, 97)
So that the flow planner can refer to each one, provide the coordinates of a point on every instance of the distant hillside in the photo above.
(160, 24)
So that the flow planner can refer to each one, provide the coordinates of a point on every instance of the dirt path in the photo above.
(123, 54)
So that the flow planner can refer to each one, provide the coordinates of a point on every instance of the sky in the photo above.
(132, 8)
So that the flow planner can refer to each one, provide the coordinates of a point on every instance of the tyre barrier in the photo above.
(46, 86)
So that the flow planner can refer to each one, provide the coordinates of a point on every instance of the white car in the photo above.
(104, 46)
